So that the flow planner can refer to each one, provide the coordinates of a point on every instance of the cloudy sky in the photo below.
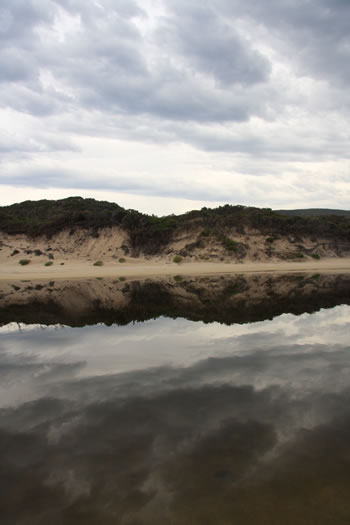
(168, 105)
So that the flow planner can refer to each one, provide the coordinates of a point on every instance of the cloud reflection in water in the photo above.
(171, 421)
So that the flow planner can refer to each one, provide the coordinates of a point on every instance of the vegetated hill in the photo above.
(225, 232)
(314, 212)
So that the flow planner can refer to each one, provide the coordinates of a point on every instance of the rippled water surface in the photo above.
(173, 421)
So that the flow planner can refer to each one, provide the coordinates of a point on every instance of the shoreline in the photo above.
(141, 269)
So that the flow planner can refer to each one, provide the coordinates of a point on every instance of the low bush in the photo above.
(177, 259)
(316, 256)
(24, 262)
(98, 263)
(49, 263)
(229, 244)
(122, 260)
(177, 278)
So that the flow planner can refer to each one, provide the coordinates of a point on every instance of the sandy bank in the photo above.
(82, 270)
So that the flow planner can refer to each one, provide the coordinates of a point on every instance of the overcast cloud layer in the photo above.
(167, 105)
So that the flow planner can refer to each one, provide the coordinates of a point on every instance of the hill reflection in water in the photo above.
(175, 421)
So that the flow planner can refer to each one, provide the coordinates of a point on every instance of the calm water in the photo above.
(173, 421)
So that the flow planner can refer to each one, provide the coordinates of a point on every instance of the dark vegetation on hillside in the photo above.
(150, 233)
(314, 212)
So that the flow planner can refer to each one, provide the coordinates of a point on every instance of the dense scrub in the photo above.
(312, 212)
(150, 234)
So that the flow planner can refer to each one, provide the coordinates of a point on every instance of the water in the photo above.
(171, 420)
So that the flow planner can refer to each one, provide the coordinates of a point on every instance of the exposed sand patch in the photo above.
(109, 242)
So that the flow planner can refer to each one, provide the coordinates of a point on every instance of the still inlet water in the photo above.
(178, 421)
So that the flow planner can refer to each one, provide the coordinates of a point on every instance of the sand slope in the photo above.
(72, 254)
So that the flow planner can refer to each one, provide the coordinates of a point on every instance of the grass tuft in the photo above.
(24, 262)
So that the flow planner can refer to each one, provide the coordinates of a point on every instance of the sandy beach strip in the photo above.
(142, 269)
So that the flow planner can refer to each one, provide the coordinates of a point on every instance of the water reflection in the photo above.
(175, 421)
(226, 299)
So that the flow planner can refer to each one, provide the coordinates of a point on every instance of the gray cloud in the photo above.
(195, 66)
(314, 32)
(260, 82)
(212, 46)
(106, 65)
(22, 147)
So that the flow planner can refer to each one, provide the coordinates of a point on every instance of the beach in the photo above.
(78, 269)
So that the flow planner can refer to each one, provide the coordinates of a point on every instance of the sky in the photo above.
(170, 105)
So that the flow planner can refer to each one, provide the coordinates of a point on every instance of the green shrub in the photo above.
(62, 264)
(316, 276)
(177, 259)
(270, 239)
(24, 262)
(316, 256)
(299, 255)
(49, 263)
(122, 260)
(178, 278)
(122, 279)
(229, 244)
(98, 263)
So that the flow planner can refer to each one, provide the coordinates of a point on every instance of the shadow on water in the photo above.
(171, 421)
